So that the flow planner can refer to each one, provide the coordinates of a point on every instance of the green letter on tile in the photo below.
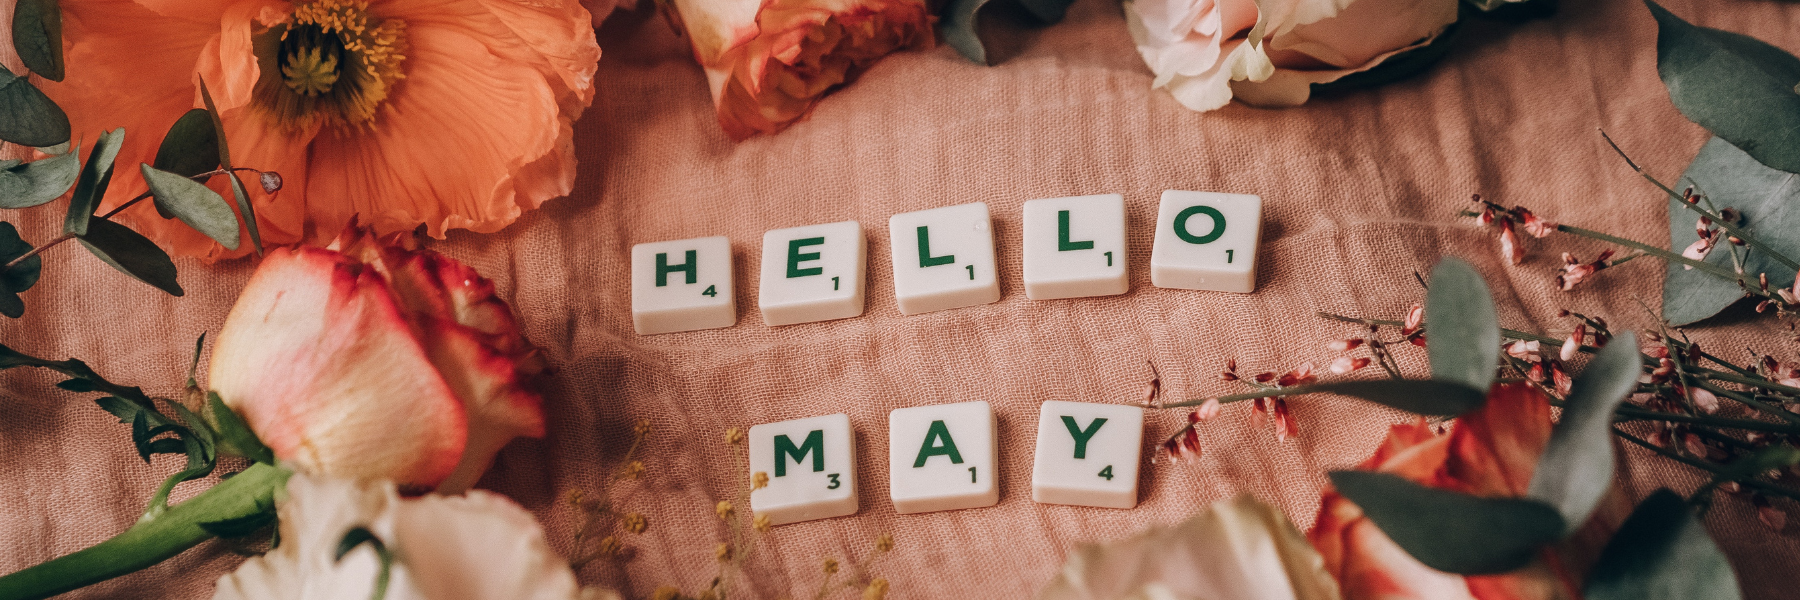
(814, 444)
(1082, 437)
(948, 448)
(663, 268)
(795, 257)
(1062, 235)
(925, 257)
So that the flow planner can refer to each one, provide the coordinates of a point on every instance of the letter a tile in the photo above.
(682, 285)
(943, 258)
(811, 465)
(942, 457)
(1087, 454)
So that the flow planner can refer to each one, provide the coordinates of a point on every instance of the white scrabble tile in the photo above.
(682, 285)
(813, 273)
(1206, 241)
(1087, 454)
(811, 465)
(1075, 247)
(943, 258)
(942, 457)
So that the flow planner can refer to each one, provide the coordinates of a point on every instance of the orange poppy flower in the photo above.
(453, 114)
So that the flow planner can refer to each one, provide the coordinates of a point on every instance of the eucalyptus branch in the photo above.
(77, 369)
(1728, 226)
(38, 250)
(1716, 470)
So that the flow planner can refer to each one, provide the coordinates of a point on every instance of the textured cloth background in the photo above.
(1360, 191)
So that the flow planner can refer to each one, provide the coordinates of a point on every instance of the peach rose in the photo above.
(1271, 52)
(768, 62)
(1491, 452)
(453, 114)
(370, 361)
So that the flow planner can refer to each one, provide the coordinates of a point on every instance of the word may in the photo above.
(944, 457)
(943, 258)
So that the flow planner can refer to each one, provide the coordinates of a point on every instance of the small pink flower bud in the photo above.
(1206, 411)
(1705, 401)
(1573, 344)
(1345, 345)
(1416, 315)
(1537, 227)
(271, 181)
(1509, 244)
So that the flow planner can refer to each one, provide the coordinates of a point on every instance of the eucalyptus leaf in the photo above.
(76, 385)
(1462, 330)
(1739, 88)
(37, 182)
(1770, 202)
(27, 116)
(1425, 397)
(1450, 531)
(194, 203)
(191, 147)
(1661, 553)
(235, 435)
(131, 253)
(22, 276)
(91, 186)
(37, 37)
(11, 305)
(1576, 468)
(237, 186)
(958, 23)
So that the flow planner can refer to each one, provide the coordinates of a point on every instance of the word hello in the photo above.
(943, 457)
(944, 258)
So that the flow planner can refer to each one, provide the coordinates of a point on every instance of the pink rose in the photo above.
(370, 361)
(1205, 52)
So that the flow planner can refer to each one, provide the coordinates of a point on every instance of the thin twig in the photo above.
(1727, 226)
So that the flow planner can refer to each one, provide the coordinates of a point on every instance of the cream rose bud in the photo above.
(370, 361)
(1205, 52)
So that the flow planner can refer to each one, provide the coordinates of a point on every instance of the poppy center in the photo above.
(332, 62)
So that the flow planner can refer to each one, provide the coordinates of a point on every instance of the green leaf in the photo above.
(22, 276)
(37, 37)
(1770, 202)
(1452, 532)
(1425, 397)
(27, 116)
(193, 203)
(1735, 86)
(958, 24)
(237, 185)
(358, 536)
(235, 435)
(1661, 553)
(1462, 332)
(125, 410)
(1576, 468)
(76, 385)
(131, 253)
(11, 305)
(37, 182)
(240, 526)
(191, 147)
(91, 186)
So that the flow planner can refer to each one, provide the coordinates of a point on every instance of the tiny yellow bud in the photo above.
(642, 427)
(608, 546)
(762, 523)
(635, 523)
(831, 566)
(877, 589)
(667, 592)
(722, 552)
(632, 470)
(574, 497)
(884, 543)
(724, 510)
(760, 480)
(734, 435)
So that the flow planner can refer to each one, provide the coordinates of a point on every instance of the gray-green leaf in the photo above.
(40, 181)
(1770, 202)
(1452, 532)
(1576, 468)
(193, 203)
(1735, 86)
(91, 186)
(959, 22)
(191, 147)
(235, 435)
(131, 253)
(237, 185)
(22, 276)
(37, 36)
(1661, 553)
(27, 116)
(1462, 330)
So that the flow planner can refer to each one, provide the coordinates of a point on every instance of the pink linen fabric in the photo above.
(1359, 191)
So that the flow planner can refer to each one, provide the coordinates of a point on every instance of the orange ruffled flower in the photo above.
(770, 61)
(1491, 452)
(453, 114)
(376, 362)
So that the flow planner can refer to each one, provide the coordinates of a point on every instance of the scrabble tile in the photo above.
(941, 457)
(1075, 247)
(682, 285)
(1206, 241)
(813, 273)
(943, 258)
(1087, 454)
(811, 465)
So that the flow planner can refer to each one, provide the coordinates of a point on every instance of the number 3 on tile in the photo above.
(710, 291)
(835, 483)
